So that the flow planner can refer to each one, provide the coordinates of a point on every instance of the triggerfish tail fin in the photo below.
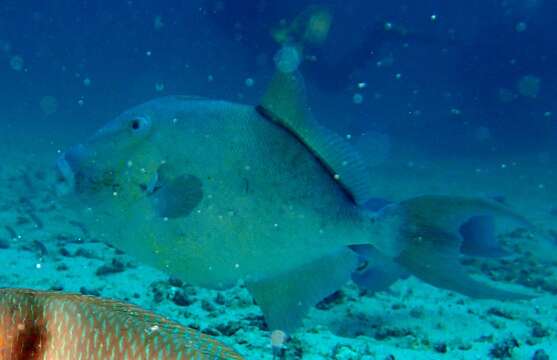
(56, 326)
(428, 241)
(285, 299)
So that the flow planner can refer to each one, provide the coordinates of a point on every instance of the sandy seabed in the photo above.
(43, 246)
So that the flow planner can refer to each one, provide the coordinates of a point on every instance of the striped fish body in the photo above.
(57, 326)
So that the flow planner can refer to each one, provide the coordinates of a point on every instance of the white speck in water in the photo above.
(38, 265)
(210, 78)
(87, 82)
(148, 53)
(357, 98)
(337, 176)
(348, 136)
(521, 26)
(16, 63)
(388, 26)
(362, 85)
(237, 266)
(398, 76)
(249, 82)
(115, 193)
(433, 17)
(129, 163)
(80, 102)
(175, 120)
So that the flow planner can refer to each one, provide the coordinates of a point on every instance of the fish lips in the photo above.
(72, 169)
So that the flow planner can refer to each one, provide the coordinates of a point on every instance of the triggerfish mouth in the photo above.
(213, 192)
(58, 326)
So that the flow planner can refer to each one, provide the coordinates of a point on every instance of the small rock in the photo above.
(539, 331)
(220, 299)
(540, 355)
(230, 328)
(504, 349)
(174, 281)
(116, 266)
(182, 299)
(85, 291)
(441, 348)
(207, 305)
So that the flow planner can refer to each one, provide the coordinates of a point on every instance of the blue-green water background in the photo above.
(452, 66)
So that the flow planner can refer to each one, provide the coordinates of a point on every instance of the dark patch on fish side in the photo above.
(178, 197)
(31, 341)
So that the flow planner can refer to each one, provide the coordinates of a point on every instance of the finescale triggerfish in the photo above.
(214, 192)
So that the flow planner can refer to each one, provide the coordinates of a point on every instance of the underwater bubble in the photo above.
(357, 98)
(249, 82)
(482, 133)
(505, 95)
(16, 63)
(288, 59)
(158, 23)
(521, 26)
(529, 86)
(49, 105)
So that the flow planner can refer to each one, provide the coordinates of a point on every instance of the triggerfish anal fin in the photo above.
(376, 272)
(285, 104)
(175, 197)
(57, 326)
(430, 241)
(285, 299)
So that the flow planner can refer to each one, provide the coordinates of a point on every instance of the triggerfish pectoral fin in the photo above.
(285, 299)
(430, 242)
(57, 326)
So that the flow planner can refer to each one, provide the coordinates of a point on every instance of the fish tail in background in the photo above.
(56, 326)
(428, 242)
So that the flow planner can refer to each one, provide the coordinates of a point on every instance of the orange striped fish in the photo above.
(58, 326)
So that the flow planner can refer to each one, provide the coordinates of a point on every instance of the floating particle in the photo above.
(16, 63)
(249, 82)
(482, 133)
(210, 78)
(158, 23)
(357, 98)
(49, 105)
(505, 95)
(287, 59)
(547, 114)
(148, 53)
(87, 82)
(362, 85)
(80, 102)
(521, 26)
(398, 76)
(388, 26)
(433, 17)
(456, 111)
(529, 86)
(159, 86)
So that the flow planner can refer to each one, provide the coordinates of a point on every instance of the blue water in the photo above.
(450, 81)
(459, 60)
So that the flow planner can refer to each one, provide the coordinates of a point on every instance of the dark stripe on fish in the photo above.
(271, 118)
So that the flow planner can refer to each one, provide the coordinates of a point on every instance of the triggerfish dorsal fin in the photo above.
(285, 104)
